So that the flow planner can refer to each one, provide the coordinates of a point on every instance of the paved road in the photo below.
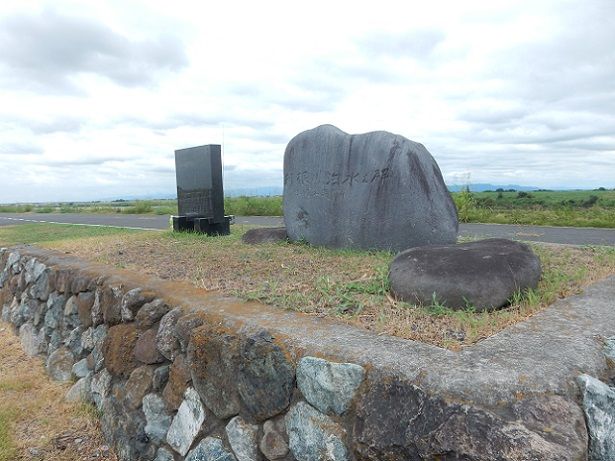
(566, 235)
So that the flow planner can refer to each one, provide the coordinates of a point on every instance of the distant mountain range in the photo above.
(255, 191)
(483, 187)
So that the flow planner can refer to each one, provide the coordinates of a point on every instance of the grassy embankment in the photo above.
(594, 208)
(349, 285)
(239, 206)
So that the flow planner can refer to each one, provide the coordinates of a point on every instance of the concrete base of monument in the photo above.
(202, 225)
(177, 371)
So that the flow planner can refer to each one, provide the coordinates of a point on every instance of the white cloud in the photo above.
(46, 51)
(96, 96)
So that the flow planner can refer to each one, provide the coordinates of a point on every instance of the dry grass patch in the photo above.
(349, 285)
(35, 421)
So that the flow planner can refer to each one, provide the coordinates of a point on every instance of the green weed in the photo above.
(14, 385)
(8, 450)
(88, 410)
(464, 201)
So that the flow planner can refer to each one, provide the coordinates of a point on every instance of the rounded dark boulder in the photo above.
(374, 190)
(265, 235)
(483, 274)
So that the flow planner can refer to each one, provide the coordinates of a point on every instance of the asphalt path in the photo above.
(563, 235)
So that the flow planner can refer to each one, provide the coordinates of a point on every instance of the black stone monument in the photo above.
(200, 195)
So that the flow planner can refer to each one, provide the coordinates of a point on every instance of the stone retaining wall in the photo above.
(179, 373)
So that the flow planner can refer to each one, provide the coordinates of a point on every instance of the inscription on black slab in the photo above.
(199, 182)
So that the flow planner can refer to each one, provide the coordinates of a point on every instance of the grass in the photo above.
(46, 233)
(349, 285)
(545, 208)
(8, 450)
(34, 415)
(253, 206)
(16, 208)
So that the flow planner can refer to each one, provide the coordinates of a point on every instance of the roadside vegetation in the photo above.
(35, 420)
(239, 206)
(349, 285)
(160, 207)
(587, 208)
(594, 208)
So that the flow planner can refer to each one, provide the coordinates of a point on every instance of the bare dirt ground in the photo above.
(349, 285)
(36, 423)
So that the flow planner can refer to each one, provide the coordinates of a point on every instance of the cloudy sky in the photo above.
(96, 96)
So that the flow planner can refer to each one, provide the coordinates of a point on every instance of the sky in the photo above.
(95, 96)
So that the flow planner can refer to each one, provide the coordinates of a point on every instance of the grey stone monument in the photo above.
(200, 193)
(372, 191)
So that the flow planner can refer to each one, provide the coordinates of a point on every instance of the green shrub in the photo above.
(15, 208)
(464, 201)
(140, 207)
(253, 206)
